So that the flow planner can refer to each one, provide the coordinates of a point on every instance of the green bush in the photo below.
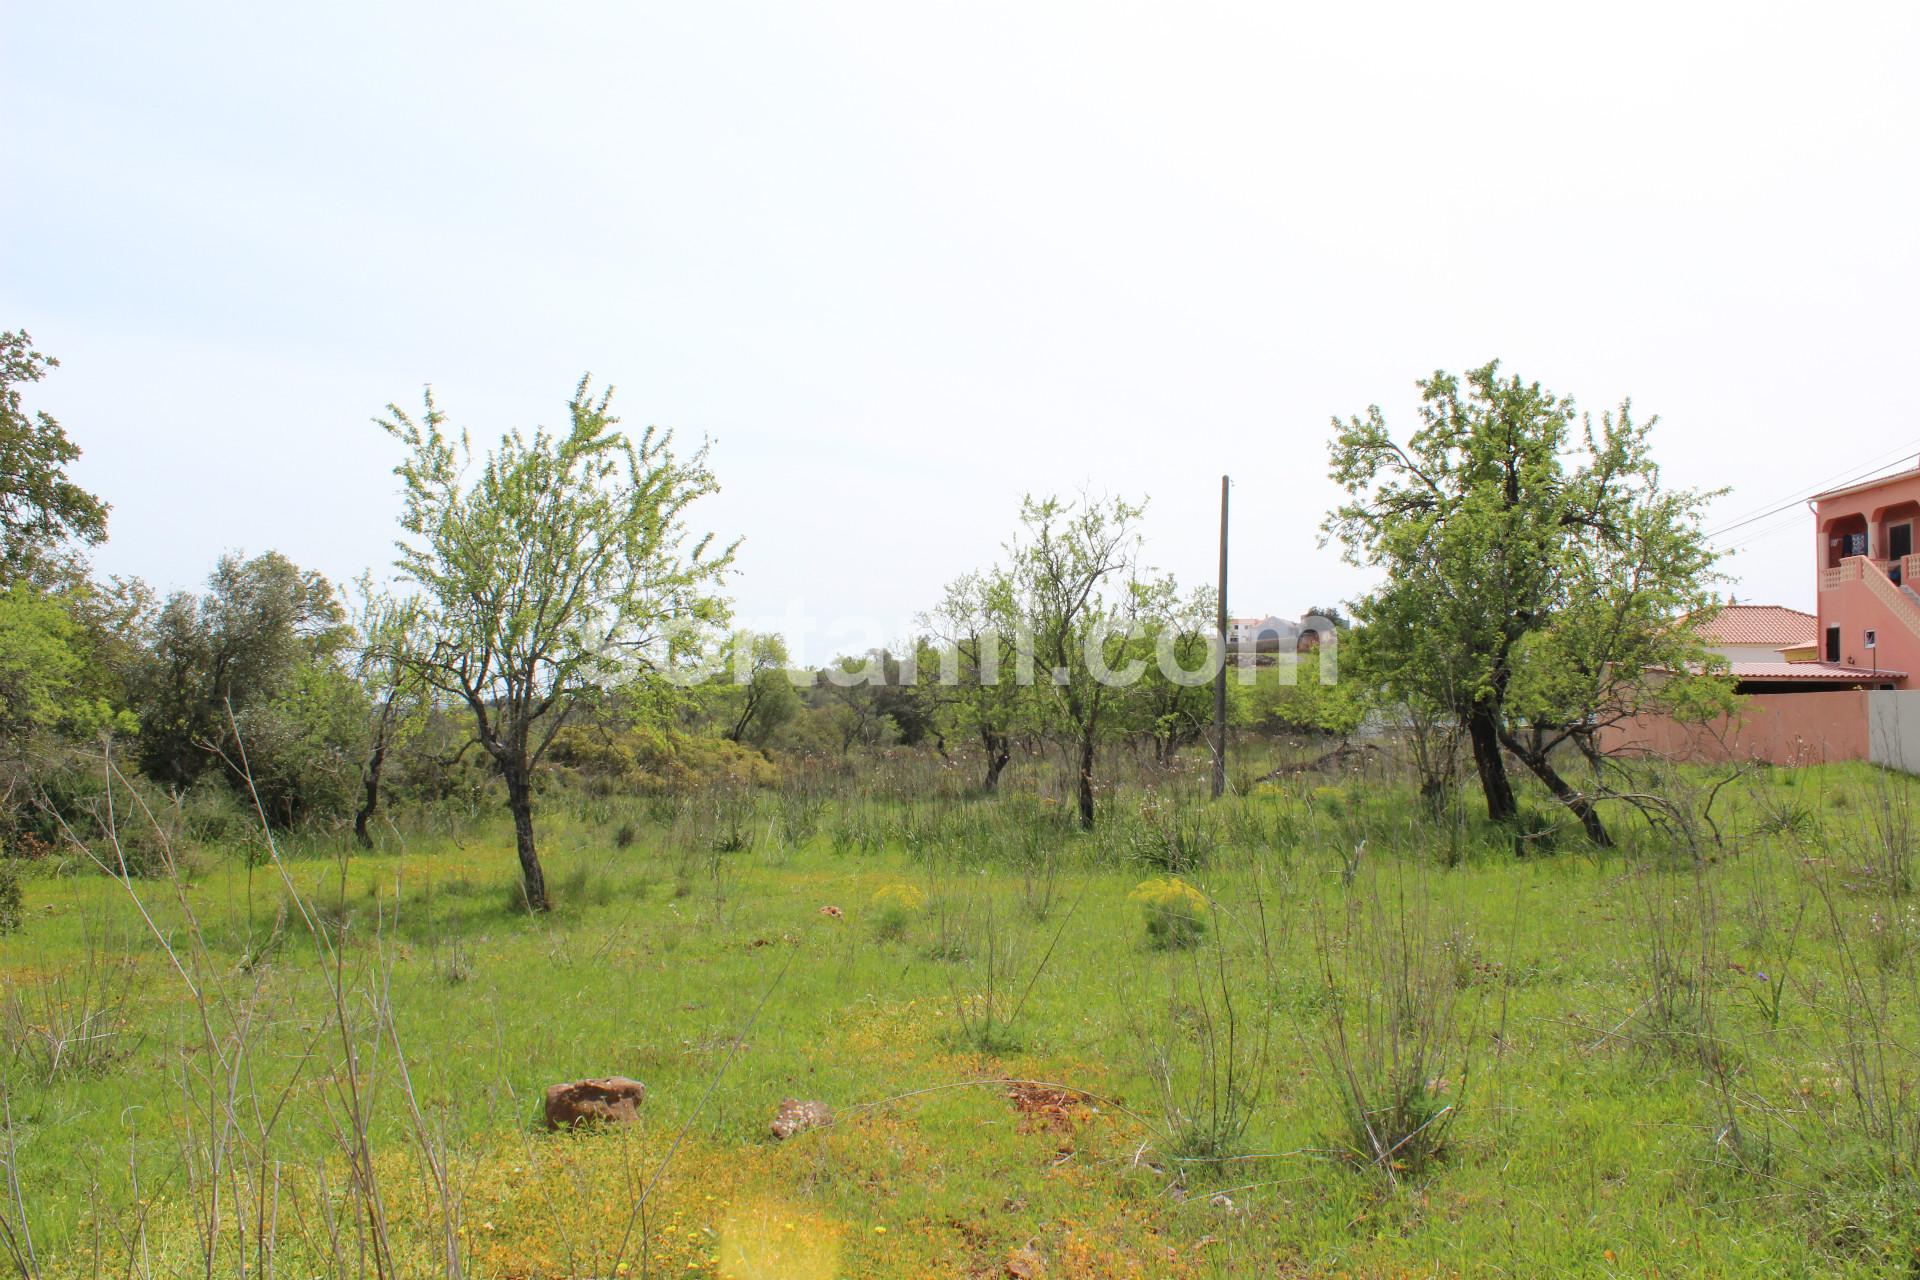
(11, 906)
(75, 805)
(895, 907)
(302, 751)
(661, 760)
(1176, 912)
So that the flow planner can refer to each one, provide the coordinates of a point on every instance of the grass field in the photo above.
(1371, 1044)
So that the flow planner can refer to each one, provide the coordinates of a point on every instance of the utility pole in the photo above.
(1220, 676)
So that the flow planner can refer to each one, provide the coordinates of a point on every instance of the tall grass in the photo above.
(1397, 1048)
(1741, 941)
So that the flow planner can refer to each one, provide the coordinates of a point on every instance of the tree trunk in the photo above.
(1483, 731)
(371, 781)
(999, 751)
(1576, 801)
(750, 702)
(1086, 784)
(520, 801)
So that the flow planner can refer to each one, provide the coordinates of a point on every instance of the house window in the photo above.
(1833, 644)
(1853, 544)
(1870, 637)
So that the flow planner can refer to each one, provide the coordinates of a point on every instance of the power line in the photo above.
(1801, 498)
(1843, 479)
(1768, 532)
(1879, 460)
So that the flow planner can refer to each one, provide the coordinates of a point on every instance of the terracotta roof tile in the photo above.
(1768, 624)
(1806, 671)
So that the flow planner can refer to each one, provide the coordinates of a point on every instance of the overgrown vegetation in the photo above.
(285, 966)
(1365, 1038)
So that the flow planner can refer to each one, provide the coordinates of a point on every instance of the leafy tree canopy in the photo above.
(1536, 570)
(551, 569)
(43, 679)
(43, 513)
(245, 644)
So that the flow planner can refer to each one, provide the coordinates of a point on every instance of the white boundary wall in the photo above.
(1893, 728)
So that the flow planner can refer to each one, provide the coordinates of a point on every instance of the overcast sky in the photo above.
(903, 262)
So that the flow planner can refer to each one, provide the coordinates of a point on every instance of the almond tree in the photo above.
(977, 628)
(560, 569)
(385, 630)
(1075, 576)
(1172, 704)
(1537, 574)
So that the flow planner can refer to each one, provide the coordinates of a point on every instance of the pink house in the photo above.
(1869, 617)
(1833, 685)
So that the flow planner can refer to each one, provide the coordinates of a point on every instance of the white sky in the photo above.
(906, 261)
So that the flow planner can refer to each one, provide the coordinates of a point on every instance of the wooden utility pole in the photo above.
(1220, 676)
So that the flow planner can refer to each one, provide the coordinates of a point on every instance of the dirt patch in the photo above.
(1044, 1108)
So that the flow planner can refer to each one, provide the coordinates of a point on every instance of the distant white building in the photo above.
(1267, 635)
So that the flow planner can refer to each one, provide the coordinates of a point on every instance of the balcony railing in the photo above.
(1853, 569)
(1898, 603)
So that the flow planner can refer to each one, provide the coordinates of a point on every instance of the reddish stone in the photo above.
(795, 1116)
(608, 1100)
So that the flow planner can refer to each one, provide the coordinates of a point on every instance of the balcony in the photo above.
(1849, 570)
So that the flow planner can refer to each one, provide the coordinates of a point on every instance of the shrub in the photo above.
(1164, 835)
(1535, 831)
(661, 760)
(212, 813)
(584, 886)
(800, 817)
(735, 829)
(10, 903)
(858, 831)
(72, 1021)
(111, 818)
(1794, 818)
(302, 752)
(1175, 911)
(895, 907)
(1395, 1048)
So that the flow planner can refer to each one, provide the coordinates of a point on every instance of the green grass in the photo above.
(1627, 1095)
